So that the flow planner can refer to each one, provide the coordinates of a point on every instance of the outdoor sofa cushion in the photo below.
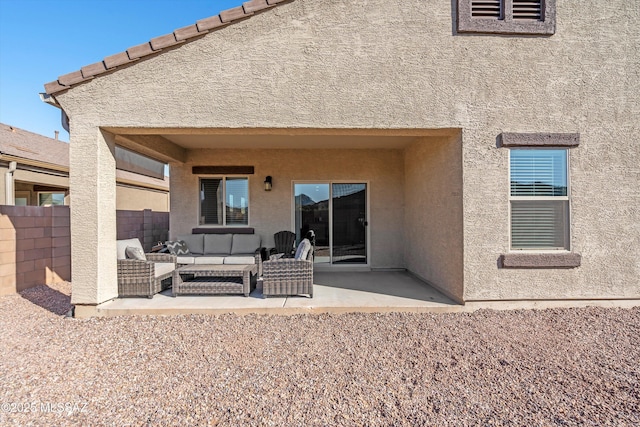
(195, 243)
(303, 249)
(162, 268)
(206, 259)
(240, 259)
(218, 244)
(245, 244)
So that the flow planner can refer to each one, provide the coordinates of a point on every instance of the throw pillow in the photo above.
(303, 249)
(275, 257)
(178, 248)
(135, 253)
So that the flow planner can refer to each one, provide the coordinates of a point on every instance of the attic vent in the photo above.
(527, 9)
(486, 9)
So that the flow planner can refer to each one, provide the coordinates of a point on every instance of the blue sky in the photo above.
(43, 39)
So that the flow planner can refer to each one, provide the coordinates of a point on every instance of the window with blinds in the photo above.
(539, 199)
(224, 201)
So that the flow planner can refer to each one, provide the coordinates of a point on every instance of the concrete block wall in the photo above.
(148, 226)
(35, 242)
(35, 246)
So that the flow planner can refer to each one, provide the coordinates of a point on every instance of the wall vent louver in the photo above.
(486, 9)
(527, 9)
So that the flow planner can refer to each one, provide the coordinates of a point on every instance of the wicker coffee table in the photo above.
(204, 279)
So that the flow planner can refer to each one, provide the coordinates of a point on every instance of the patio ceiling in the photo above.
(172, 144)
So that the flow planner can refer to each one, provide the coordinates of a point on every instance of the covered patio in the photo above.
(334, 292)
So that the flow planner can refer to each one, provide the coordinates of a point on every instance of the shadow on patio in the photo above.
(398, 284)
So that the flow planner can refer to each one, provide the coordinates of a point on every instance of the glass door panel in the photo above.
(312, 213)
(349, 207)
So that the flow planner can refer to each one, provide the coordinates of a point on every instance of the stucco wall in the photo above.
(134, 199)
(381, 64)
(272, 211)
(433, 213)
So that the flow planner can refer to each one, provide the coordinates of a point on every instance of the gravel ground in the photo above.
(523, 368)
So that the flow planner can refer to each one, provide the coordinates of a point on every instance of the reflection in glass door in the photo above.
(312, 213)
(337, 213)
(349, 207)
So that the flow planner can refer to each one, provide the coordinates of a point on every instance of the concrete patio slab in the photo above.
(334, 292)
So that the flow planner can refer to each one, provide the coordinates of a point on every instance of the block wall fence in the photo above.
(148, 226)
(35, 242)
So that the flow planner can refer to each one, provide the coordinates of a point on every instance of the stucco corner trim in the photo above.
(510, 139)
(564, 260)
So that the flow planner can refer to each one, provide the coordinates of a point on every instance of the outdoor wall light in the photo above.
(268, 183)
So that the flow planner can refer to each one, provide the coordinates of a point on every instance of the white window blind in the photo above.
(539, 199)
(211, 201)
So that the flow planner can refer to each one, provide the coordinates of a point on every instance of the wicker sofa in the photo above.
(143, 278)
(219, 249)
(288, 276)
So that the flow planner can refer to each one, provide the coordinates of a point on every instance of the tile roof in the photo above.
(156, 45)
(31, 146)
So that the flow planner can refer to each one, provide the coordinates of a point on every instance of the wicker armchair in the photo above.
(140, 278)
(288, 276)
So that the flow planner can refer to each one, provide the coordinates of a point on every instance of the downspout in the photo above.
(10, 195)
(51, 100)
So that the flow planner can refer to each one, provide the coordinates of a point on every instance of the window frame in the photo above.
(506, 24)
(539, 259)
(39, 193)
(22, 194)
(567, 198)
(224, 198)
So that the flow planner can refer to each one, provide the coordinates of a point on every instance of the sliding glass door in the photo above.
(349, 227)
(312, 213)
(337, 213)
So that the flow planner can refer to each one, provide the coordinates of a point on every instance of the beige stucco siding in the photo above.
(433, 215)
(93, 215)
(137, 199)
(380, 64)
(270, 212)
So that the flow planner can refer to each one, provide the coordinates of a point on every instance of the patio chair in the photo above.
(285, 242)
(288, 276)
(143, 277)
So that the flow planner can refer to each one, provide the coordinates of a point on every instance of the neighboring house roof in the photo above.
(31, 146)
(42, 151)
(158, 44)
